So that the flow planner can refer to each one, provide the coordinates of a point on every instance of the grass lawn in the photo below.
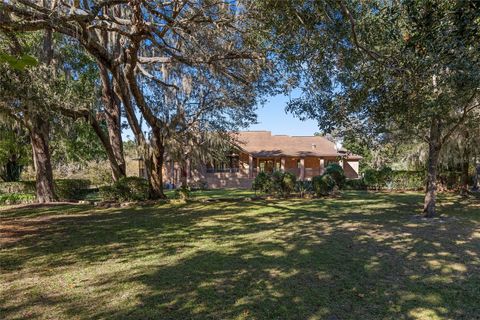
(361, 256)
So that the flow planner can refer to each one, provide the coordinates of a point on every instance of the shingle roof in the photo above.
(264, 144)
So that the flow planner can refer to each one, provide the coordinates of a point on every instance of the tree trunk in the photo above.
(465, 165)
(117, 172)
(156, 178)
(111, 104)
(434, 146)
(39, 129)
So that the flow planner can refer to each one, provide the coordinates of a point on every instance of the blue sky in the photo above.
(272, 117)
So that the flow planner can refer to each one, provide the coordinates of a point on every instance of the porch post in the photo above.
(258, 166)
(302, 169)
(282, 164)
(250, 166)
(322, 165)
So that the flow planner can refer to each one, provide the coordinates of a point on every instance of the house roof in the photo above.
(264, 144)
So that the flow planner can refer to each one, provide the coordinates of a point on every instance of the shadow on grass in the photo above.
(361, 256)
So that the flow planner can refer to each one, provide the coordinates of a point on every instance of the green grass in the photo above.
(360, 256)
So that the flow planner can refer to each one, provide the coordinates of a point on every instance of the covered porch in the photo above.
(304, 168)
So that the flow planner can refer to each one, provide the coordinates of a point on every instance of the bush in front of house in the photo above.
(323, 185)
(278, 183)
(262, 183)
(303, 188)
(126, 189)
(289, 181)
(283, 183)
(336, 172)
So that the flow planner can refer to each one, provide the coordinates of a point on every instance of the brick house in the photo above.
(257, 151)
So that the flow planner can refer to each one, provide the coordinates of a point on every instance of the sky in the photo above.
(272, 117)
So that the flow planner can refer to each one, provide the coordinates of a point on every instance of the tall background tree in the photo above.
(136, 41)
(408, 68)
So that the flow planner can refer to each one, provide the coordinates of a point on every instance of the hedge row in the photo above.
(387, 178)
(126, 189)
(66, 189)
(17, 187)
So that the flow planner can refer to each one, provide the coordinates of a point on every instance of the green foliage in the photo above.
(17, 187)
(16, 198)
(408, 180)
(14, 151)
(18, 63)
(323, 185)
(283, 183)
(394, 180)
(288, 183)
(126, 189)
(71, 189)
(303, 187)
(355, 184)
(278, 183)
(378, 179)
(198, 185)
(337, 173)
(76, 142)
(182, 193)
(262, 183)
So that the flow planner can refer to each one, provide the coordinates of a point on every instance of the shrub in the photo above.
(182, 193)
(17, 187)
(69, 189)
(66, 189)
(283, 183)
(289, 182)
(355, 184)
(323, 185)
(126, 189)
(395, 180)
(262, 183)
(199, 185)
(378, 179)
(277, 183)
(303, 187)
(336, 172)
(16, 198)
(408, 180)
(371, 178)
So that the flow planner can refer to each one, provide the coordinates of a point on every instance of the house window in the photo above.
(231, 164)
(262, 166)
(277, 166)
(299, 164)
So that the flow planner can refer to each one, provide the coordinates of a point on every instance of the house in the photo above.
(260, 151)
